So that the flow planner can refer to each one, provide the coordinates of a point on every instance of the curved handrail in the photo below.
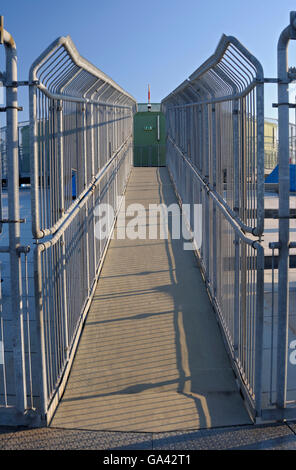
(81, 64)
(251, 79)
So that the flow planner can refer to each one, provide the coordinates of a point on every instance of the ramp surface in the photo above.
(151, 356)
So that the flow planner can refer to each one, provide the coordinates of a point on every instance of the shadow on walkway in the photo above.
(151, 357)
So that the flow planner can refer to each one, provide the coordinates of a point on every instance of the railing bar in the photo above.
(272, 326)
(50, 62)
(63, 64)
(233, 49)
(3, 352)
(84, 195)
(239, 65)
(28, 329)
(215, 193)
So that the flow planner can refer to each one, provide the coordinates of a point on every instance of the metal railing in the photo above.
(23, 153)
(284, 340)
(8, 330)
(15, 387)
(215, 155)
(81, 134)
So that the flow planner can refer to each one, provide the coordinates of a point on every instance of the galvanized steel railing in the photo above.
(23, 153)
(215, 155)
(8, 377)
(81, 155)
(285, 385)
(15, 363)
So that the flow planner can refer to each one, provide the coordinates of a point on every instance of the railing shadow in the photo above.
(151, 353)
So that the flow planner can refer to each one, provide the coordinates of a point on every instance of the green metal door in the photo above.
(149, 139)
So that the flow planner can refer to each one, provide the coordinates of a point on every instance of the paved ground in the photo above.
(151, 357)
(259, 437)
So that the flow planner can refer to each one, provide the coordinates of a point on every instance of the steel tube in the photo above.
(284, 210)
(14, 228)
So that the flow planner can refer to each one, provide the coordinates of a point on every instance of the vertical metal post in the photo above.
(260, 157)
(200, 142)
(34, 164)
(214, 178)
(236, 160)
(236, 318)
(260, 251)
(60, 145)
(14, 225)
(84, 156)
(259, 322)
(35, 211)
(40, 331)
(200, 166)
(206, 156)
(284, 210)
(243, 253)
(93, 110)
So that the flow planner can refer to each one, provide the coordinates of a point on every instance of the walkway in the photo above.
(151, 356)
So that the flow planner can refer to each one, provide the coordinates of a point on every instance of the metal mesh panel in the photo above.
(215, 155)
(81, 147)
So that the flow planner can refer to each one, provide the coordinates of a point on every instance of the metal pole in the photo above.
(206, 157)
(34, 163)
(284, 211)
(60, 145)
(259, 329)
(40, 332)
(85, 175)
(14, 218)
(243, 253)
(214, 179)
(236, 319)
(93, 110)
(260, 159)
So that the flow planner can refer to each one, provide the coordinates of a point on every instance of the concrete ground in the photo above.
(151, 356)
(250, 437)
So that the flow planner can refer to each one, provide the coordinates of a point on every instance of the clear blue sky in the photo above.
(137, 42)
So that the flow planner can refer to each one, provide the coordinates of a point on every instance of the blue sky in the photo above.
(137, 42)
